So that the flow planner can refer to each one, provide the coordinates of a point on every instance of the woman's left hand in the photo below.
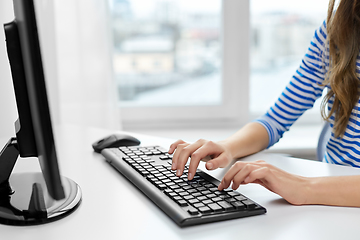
(292, 188)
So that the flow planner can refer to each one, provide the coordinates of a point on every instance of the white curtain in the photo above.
(87, 92)
(76, 49)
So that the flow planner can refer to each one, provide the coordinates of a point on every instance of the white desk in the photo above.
(111, 205)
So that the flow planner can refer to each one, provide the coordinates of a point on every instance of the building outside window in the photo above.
(171, 53)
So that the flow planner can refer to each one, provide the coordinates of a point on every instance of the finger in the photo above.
(176, 155)
(241, 169)
(185, 154)
(203, 153)
(259, 174)
(229, 175)
(174, 146)
(221, 161)
(196, 157)
(243, 174)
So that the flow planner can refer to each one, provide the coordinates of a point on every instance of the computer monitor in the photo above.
(31, 198)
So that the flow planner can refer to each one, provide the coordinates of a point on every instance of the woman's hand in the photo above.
(292, 188)
(200, 150)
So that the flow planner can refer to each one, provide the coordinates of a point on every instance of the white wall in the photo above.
(8, 113)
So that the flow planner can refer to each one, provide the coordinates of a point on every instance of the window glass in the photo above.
(281, 31)
(167, 52)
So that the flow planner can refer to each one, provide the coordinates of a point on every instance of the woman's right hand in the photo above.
(200, 150)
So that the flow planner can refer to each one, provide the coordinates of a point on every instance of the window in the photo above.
(181, 61)
(281, 32)
(207, 62)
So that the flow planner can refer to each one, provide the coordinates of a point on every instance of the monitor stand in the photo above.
(24, 199)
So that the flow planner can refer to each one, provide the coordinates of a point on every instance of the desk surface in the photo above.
(111, 205)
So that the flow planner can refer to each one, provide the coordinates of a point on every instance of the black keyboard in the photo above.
(185, 202)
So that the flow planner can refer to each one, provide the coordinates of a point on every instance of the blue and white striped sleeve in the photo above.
(302, 91)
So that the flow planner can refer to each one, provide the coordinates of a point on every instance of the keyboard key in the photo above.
(147, 166)
(205, 210)
(225, 205)
(202, 189)
(157, 183)
(166, 180)
(206, 192)
(179, 181)
(170, 184)
(249, 204)
(168, 191)
(172, 194)
(202, 198)
(177, 198)
(233, 194)
(183, 194)
(162, 186)
(216, 199)
(174, 186)
(199, 205)
(192, 190)
(178, 190)
(162, 178)
(182, 203)
(144, 173)
(215, 207)
(164, 158)
(207, 201)
(193, 201)
(151, 179)
(238, 205)
(211, 196)
(240, 198)
(213, 189)
(188, 197)
(197, 194)
(230, 200)
(193, 211)
(224, 196)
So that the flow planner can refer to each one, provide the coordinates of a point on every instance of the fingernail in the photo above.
(210, 166)
(190, 176)
(220, 187)
(178, 173)
(173, 167)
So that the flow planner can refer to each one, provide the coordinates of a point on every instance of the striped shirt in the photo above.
(301, 93)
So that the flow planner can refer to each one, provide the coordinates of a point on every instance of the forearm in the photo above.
(250, 139)
(336, 191)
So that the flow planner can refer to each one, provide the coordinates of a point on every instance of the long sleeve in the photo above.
(301, 92)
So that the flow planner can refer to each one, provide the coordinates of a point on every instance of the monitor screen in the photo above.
(34, 133)
(38, 103)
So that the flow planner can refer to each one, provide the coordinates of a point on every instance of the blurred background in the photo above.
(173, 68)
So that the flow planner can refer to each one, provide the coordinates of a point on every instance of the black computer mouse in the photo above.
(115, 140)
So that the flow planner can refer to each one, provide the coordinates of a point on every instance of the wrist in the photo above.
(311, 191)
(226, 145)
